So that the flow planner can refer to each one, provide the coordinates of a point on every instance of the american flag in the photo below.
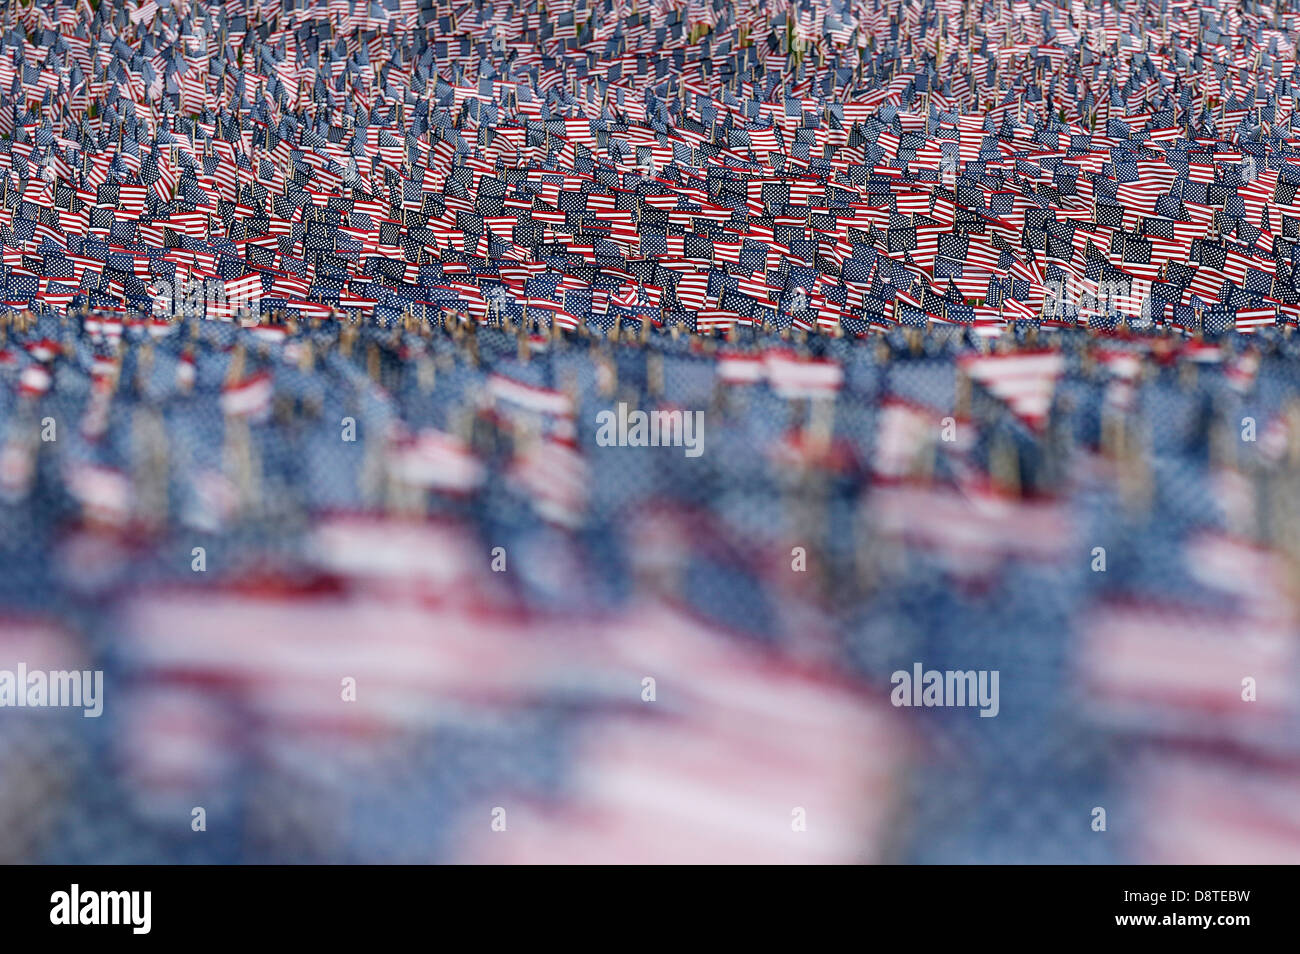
(310, 312)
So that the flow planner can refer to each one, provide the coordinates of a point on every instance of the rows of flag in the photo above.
(309, 313)
(829, 167)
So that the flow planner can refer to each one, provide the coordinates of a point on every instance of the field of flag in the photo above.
(526, 431)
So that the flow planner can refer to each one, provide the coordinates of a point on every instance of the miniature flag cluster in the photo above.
(615, 431)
